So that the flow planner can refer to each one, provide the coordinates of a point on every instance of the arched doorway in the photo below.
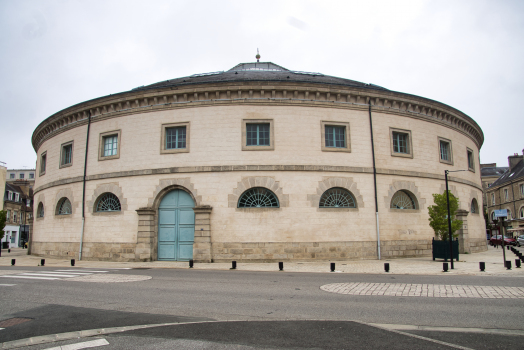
(176, 226)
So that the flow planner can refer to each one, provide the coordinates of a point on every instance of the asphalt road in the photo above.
(282, 310)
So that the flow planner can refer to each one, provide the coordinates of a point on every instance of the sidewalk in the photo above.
(468, 264)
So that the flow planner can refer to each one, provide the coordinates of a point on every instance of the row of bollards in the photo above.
(281, 266)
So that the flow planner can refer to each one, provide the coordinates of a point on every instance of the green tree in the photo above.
(3, 220)
(438, 215)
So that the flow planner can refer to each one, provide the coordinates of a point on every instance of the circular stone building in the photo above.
(257, 163)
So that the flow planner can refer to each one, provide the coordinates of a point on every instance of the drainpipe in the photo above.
(84, 186)
(374, 178)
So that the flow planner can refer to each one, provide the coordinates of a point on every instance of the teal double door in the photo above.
(176, 226)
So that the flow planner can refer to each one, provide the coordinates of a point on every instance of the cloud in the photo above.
(295, 22)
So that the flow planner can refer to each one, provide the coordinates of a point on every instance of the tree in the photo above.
(438, 215)
(486, 219)
(3, 220)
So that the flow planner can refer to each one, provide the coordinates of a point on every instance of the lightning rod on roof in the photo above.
(257, 56)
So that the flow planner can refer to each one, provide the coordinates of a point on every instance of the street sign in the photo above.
(501, 213)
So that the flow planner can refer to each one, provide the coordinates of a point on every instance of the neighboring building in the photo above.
(18, 204)
(3, 173)
(21, 174)
(489, 173)
(257, 163)
(507, 192)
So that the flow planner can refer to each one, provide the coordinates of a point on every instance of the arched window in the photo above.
(40, 210)
(474, 207)
(108, 202)
(403, 200)
(258, 197)
(64, 207)
(522, 213)
(337, 198)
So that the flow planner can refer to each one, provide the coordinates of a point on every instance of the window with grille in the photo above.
(335, 136)
(108, 202)
(64, 207)
(110, 145)
(258, 197)
(403, 200)
(176, 137)
(337, 198)
(400, 142)
(257, 134)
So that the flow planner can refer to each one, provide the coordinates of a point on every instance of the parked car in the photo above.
(520, 240)
(497, 240)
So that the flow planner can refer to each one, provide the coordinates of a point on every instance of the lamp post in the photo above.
(446, 172)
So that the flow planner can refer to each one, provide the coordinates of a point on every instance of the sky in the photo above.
(466, 54)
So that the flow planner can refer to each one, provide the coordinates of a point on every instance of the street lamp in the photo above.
(446, 172)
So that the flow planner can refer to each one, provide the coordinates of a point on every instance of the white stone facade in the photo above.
(216, 169)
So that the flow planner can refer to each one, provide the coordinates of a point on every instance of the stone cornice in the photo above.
(257, 93)
(229, 168)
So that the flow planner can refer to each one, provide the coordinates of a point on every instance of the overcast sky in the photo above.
(467, 54)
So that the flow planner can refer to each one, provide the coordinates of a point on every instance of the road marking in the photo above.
(7, 285)
(73, 273)
(50, 274)
(407, 327)
(81, 271)
(84, 345)
(425, 290)
(31, 277)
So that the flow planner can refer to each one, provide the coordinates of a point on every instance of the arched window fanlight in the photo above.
(64, 207)
(337, 198)
(403, 200)
(40, 210)
(474, 206)
(258, 197)
(108, 202)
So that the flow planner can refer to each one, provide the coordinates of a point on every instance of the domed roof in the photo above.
(258, 71)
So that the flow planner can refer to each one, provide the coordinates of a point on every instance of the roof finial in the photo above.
(257, 56)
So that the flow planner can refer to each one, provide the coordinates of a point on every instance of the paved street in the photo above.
(75, 300)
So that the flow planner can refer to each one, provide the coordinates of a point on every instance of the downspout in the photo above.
(84, 186)
(374, 178)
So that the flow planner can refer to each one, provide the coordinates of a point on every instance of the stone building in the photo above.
(507, 192)
(17, 203)
(3, 174)
(489, 173)
(21, 174)
(256, 163)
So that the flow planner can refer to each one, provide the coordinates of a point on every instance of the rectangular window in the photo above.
(400, 142)
(522, 190)
(10, 195)
(109, 145)
(66, 157)
(14, 216)
(21, 175)
(175, 138)
(506, 194)
(445, 152)
(31, 175)
(493, 199)
(43, 160)
(471, 161)
(335, 136)
(11, 176)
(401, 145)
(17, 197)
(257, 135)
(8, 215)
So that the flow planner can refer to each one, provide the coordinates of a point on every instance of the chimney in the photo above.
(514, 160)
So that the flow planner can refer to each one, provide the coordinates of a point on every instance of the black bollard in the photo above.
(191, 263)
(42, 262)
(280, 266)
(233, 265)
(9, 250)
(386, 267)
(72, 262)
(445, 267)
(332, 266)
(508, 264)
(14, 260)
(517, 263)
(482, 266)
(507, 247)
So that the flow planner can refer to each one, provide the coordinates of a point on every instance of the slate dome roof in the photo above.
(258, 71)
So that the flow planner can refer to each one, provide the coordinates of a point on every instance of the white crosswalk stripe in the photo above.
(51, 275)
